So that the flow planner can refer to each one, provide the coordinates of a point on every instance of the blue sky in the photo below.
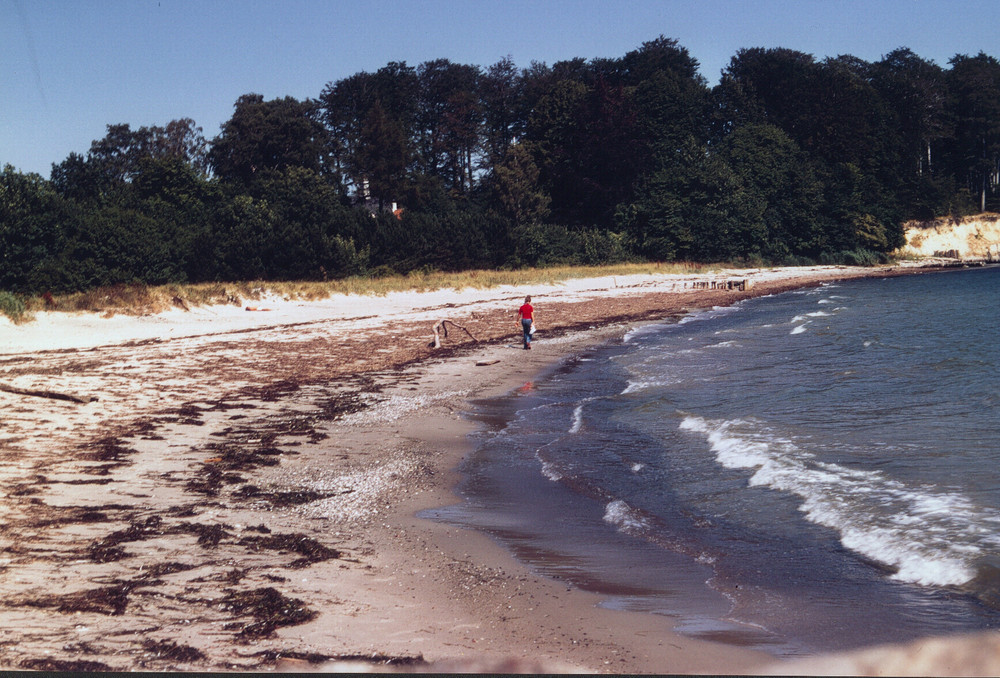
(68, 68)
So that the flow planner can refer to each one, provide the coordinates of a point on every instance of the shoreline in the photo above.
(523, 621)
(245, 496)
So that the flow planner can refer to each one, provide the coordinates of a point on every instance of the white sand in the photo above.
(59, 330)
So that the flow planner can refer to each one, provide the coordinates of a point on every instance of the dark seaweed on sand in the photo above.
(212, 480)
(110, 600)
(171, 651)
(108, 448)
(63, 665)
(292, 498)
(269, 610)
(208, 535)
(160, 569)
(275, 391)
(108, 550)
(307, 547)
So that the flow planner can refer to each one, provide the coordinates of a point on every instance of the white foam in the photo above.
(636, 467)
(932, 537)
(623, 516)
(640, 331)
(577, 419)
(799, 329)
(643, 384)
(714, 312)
(551, 472)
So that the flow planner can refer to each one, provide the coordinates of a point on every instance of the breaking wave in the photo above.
(927, 535)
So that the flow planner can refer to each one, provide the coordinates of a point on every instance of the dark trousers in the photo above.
(526, 327)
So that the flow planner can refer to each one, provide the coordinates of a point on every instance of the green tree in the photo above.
(448, 121)
(916, 93)
(117, 245)
(383, 157)
(32, 220)
(601, 128)
(500, 89)
(770, 86)
(185, 203)
(309, 230)
(832, 111)
(82, 181)
(113, 162)
(829, 109)
(975, 87)
(554, 132)
(690, 209)
(347, 109)
(182, 140)
(241, 240)
(516, 193)
(265, 136)
(664, 56)
(782, 194)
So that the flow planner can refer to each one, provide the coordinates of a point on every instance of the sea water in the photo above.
(810, 471)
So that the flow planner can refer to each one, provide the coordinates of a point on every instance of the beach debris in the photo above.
(485, 363)
(311, 550)
(292, 498)
(63, 665)
(269, 610)
(47, 394)
(110, 600)
(440, 326)
(169, 650)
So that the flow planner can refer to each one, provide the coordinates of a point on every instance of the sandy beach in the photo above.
(242, 492)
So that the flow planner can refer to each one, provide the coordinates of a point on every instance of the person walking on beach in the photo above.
(526, 314)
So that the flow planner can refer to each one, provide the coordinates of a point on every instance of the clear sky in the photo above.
(68, 68)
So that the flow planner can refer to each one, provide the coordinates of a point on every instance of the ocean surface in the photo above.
(811, 471)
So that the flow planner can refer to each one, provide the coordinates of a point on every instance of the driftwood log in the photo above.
(47, 394)
(442, 326)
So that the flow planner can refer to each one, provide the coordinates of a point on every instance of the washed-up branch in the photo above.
(441, 326)
(47, 394)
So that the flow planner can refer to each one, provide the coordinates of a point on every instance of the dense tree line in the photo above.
(448, 166)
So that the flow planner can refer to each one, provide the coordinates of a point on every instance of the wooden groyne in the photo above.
(741, 284)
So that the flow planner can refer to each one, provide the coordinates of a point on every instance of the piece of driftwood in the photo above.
(47, 394)
(484, 363)
(440, 326)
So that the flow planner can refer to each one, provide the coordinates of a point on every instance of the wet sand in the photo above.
(243, 496)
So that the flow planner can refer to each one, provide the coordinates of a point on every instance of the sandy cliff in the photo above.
(975, 237)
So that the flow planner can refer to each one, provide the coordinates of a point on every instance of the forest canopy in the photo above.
(450, 166)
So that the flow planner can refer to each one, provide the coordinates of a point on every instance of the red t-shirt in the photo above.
(526, 311)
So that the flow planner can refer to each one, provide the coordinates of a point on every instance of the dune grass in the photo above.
(140, 299)
(13, 307)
